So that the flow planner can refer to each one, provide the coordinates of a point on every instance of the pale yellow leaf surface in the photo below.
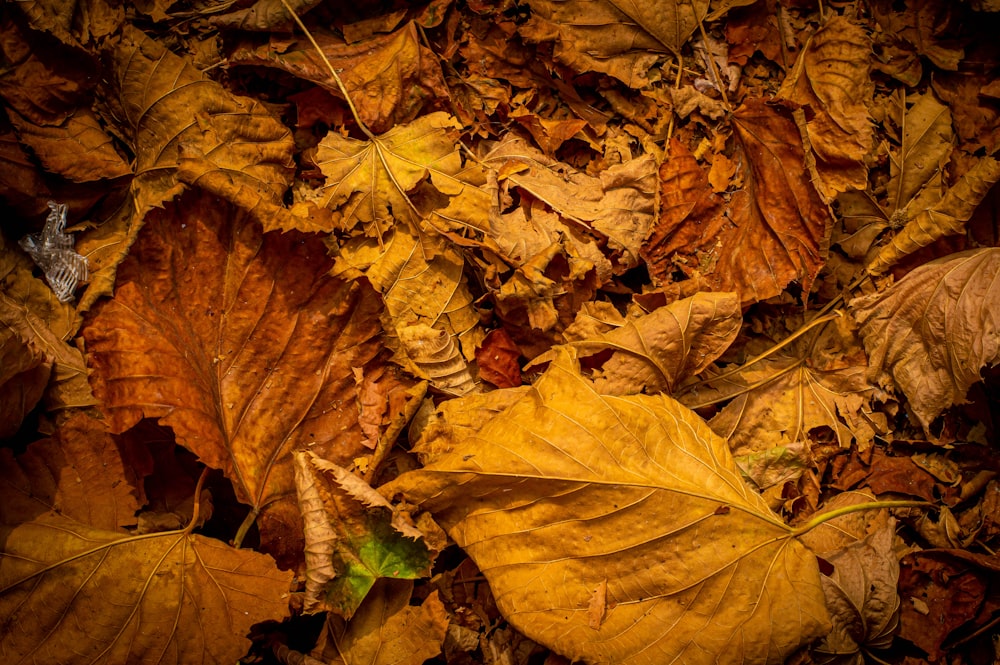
(619, 204)
(373, 182)
(387, 630)
(565, 488)
(622, 39)
(933, 331)
(818, 382)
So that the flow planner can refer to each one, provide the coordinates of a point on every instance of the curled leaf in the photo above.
(933, 331)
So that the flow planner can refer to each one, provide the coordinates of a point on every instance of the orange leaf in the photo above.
(241, 342)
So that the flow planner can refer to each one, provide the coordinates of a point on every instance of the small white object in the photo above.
(52, 250)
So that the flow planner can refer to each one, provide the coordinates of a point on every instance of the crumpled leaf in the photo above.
(698, 569)
(932, 332)
(73, 22)
(390, 78)
(654, 352)
(832, 78)
(72, 593)
(946, 217)
(618, 204)
(818, 381)
(374, 182)
(241, 343)
(387, 630)
(187, 129)
(438, 358)
(263, 15)
(352, 537)
(772, 231)
(619, 39)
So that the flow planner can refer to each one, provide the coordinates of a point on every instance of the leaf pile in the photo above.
(501, 332)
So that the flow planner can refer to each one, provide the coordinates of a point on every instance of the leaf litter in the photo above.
(421, 291)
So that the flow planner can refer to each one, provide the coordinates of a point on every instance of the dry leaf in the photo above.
(387, 630)
(698, 568)
(264, 15)
(926, 145)
(619, 39)
(71, 593)
(241, 343)
(437, 358)
(934, 330)
(832, 78)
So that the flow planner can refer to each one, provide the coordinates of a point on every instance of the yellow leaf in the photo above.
(565, 488)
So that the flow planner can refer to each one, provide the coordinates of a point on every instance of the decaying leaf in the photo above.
(817, 382)
(72, 593)
(438, 358)
(565, 488)
(926, 145)
(352, 537)
(933, 331)
(620, 39)
(241, 343)
(264, 15)
(387, 630)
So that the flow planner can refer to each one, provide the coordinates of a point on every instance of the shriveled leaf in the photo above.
(862, 598)
(437, 357)
(76, 594)
(390, 78)
(187, 129)
(653, 353)
(817, 382)
(933, 331)
(773, 231)
(832, 78)
(620, 39)
(78, 473)
(497, 360)
(618, 204)
(387, 630)
(946, 217)
(698, 569)
(241, 343)
(374, 182)
(352, 537)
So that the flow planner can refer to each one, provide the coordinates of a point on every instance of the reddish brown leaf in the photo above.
(238, 341)
(497, 360)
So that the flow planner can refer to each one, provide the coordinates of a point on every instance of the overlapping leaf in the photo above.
(566, 489)
(932, 332)
(238, 341)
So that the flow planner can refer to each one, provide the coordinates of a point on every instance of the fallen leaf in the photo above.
(352, 538)
(264, 15)
(618, 39)
(832, 78)
(387, 630)
(932, 332)
(73, 22)
(497, 360)
(927, 136)
(171, 597)
(919, 23)
(437, 358)
(861, 595)
(644, 480)
(241, 343)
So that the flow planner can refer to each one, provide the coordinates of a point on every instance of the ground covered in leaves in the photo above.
(510, 332)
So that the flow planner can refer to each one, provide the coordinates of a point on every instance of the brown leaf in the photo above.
(926, 145)
(176, 117)
(387, 630)
(644, 480)
(773, 231)
(240, 342)
(497, 360)
(932, 332)
(920, 24)
(390, 78)
(263, 15)
(618, 39)
(73, 22)
(832, 78)
(72, 593)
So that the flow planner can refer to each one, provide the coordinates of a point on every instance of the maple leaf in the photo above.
(619, 39)
(933, 331)
(771, 232)
(241, 343)
(373, 182)
(566, 488)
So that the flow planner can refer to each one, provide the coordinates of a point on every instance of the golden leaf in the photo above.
(565, 488)
(934, 330)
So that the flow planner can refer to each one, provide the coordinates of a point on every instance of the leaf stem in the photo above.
(196, 511)
(856, 508)
(333, 72)
(247, 522)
